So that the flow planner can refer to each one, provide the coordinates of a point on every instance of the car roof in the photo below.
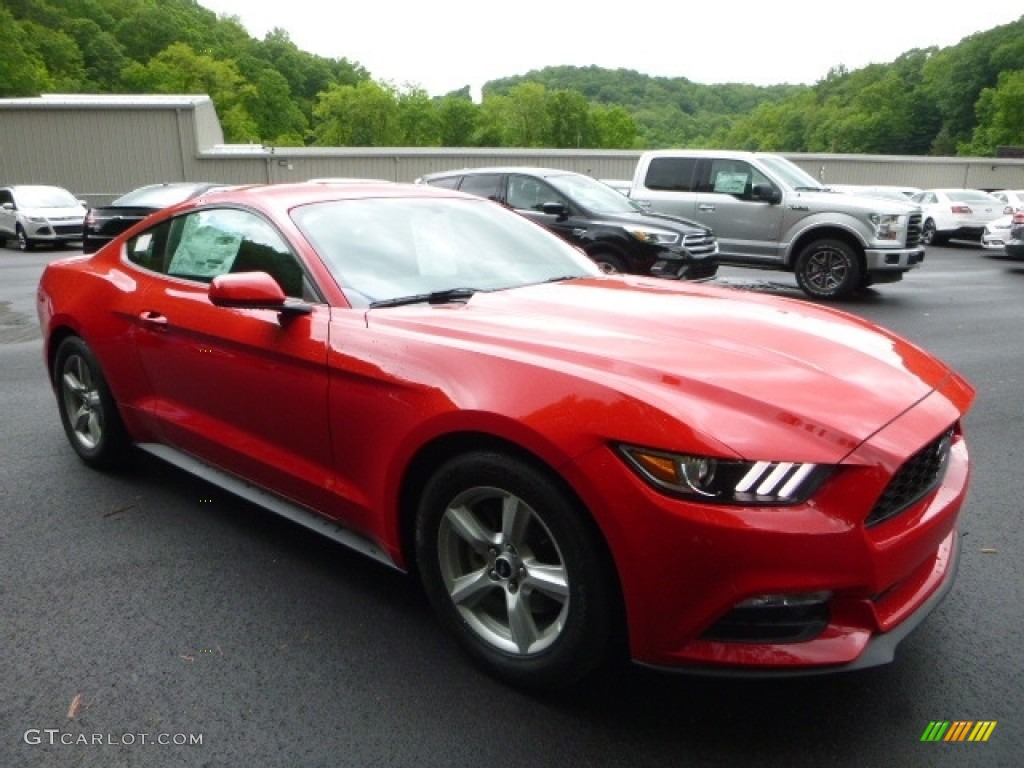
(282, 197)
(525, 169)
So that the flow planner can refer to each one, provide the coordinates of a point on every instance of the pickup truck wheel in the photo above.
(608, 263)
(828, 269)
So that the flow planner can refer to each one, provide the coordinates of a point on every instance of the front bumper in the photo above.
(885, 260)
(684, 566)
(53, 231)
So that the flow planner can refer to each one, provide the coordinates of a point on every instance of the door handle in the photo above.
(152, 318)
(705, 207)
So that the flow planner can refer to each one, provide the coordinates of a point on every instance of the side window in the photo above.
(6, 197)
(528, 194)
(447, 182)
(672, 174)
(733, 177)
(201, 245)
(482, 185)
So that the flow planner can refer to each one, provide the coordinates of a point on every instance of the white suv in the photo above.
(35, 214)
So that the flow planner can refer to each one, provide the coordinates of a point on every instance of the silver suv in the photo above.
(769, 213)
(36, 214)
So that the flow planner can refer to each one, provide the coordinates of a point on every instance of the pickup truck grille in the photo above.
(914, 230)
(700, 246)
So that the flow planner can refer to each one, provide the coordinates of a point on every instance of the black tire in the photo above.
(24, 243)
(515, 571)
(608, 263)
(931, 236)
(828, 269)
(88, 412)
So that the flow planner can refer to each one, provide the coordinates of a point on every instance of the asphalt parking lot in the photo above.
(147, 619)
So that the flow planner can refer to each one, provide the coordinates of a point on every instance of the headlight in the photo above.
(726, 481)
(655, 236)
(36, 219)
(888, 226)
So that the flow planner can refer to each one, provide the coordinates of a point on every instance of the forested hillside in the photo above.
(965, 99)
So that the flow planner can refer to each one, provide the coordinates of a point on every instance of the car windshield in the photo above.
(384, 249)
(593, 194)
(792, 175)
(45, 197)
(162, 196)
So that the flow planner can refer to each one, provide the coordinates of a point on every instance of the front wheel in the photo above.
(608, 263)
(828, 269)
(87, 409)
(24, 243)
(514, 569)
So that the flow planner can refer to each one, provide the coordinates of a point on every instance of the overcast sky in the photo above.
(443, 45)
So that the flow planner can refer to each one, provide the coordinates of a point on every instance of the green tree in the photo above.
(568, 120)
(22, 70)
(457, 118)
(1000, 113)
(417, 118)
(361, 115)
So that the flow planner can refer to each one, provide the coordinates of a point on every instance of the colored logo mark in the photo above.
(958, 730)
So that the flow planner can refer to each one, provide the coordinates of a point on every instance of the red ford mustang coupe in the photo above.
(579, 467)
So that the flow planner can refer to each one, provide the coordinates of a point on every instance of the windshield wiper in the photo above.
(435, 297)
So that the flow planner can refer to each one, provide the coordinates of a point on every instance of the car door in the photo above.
(243, 389)
(8, 216)
(746, 227)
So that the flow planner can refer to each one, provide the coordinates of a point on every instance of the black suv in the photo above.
(610, 228)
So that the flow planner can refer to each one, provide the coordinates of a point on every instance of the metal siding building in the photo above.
(101, 146)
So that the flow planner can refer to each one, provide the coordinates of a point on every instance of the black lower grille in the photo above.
(777, 624)
(68, 229)
(919, 475)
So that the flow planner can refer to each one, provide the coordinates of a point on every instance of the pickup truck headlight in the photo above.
(655, 236)
(726, 481)
(888, 226)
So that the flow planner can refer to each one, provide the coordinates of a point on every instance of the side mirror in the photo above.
(555, 209)
(769, 193)
(253, 290)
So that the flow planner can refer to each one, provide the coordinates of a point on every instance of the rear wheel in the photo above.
(828, 269)
(87, 409)
(515, 571)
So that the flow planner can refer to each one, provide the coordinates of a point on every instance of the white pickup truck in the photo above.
(769, 213)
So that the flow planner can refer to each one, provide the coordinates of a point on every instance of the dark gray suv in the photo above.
(610, 228)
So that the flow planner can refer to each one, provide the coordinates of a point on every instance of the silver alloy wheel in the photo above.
(503, 570)
(827, 270)
(82, 402)
(608, 269)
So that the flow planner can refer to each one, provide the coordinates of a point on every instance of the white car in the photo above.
(959, 213)
(37, 214)
(996, 234)
(1014, 197)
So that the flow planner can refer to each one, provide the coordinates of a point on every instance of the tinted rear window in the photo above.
(671, 173)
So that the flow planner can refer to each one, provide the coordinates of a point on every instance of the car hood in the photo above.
(731, 365)
(829, 201)
(63, 212)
